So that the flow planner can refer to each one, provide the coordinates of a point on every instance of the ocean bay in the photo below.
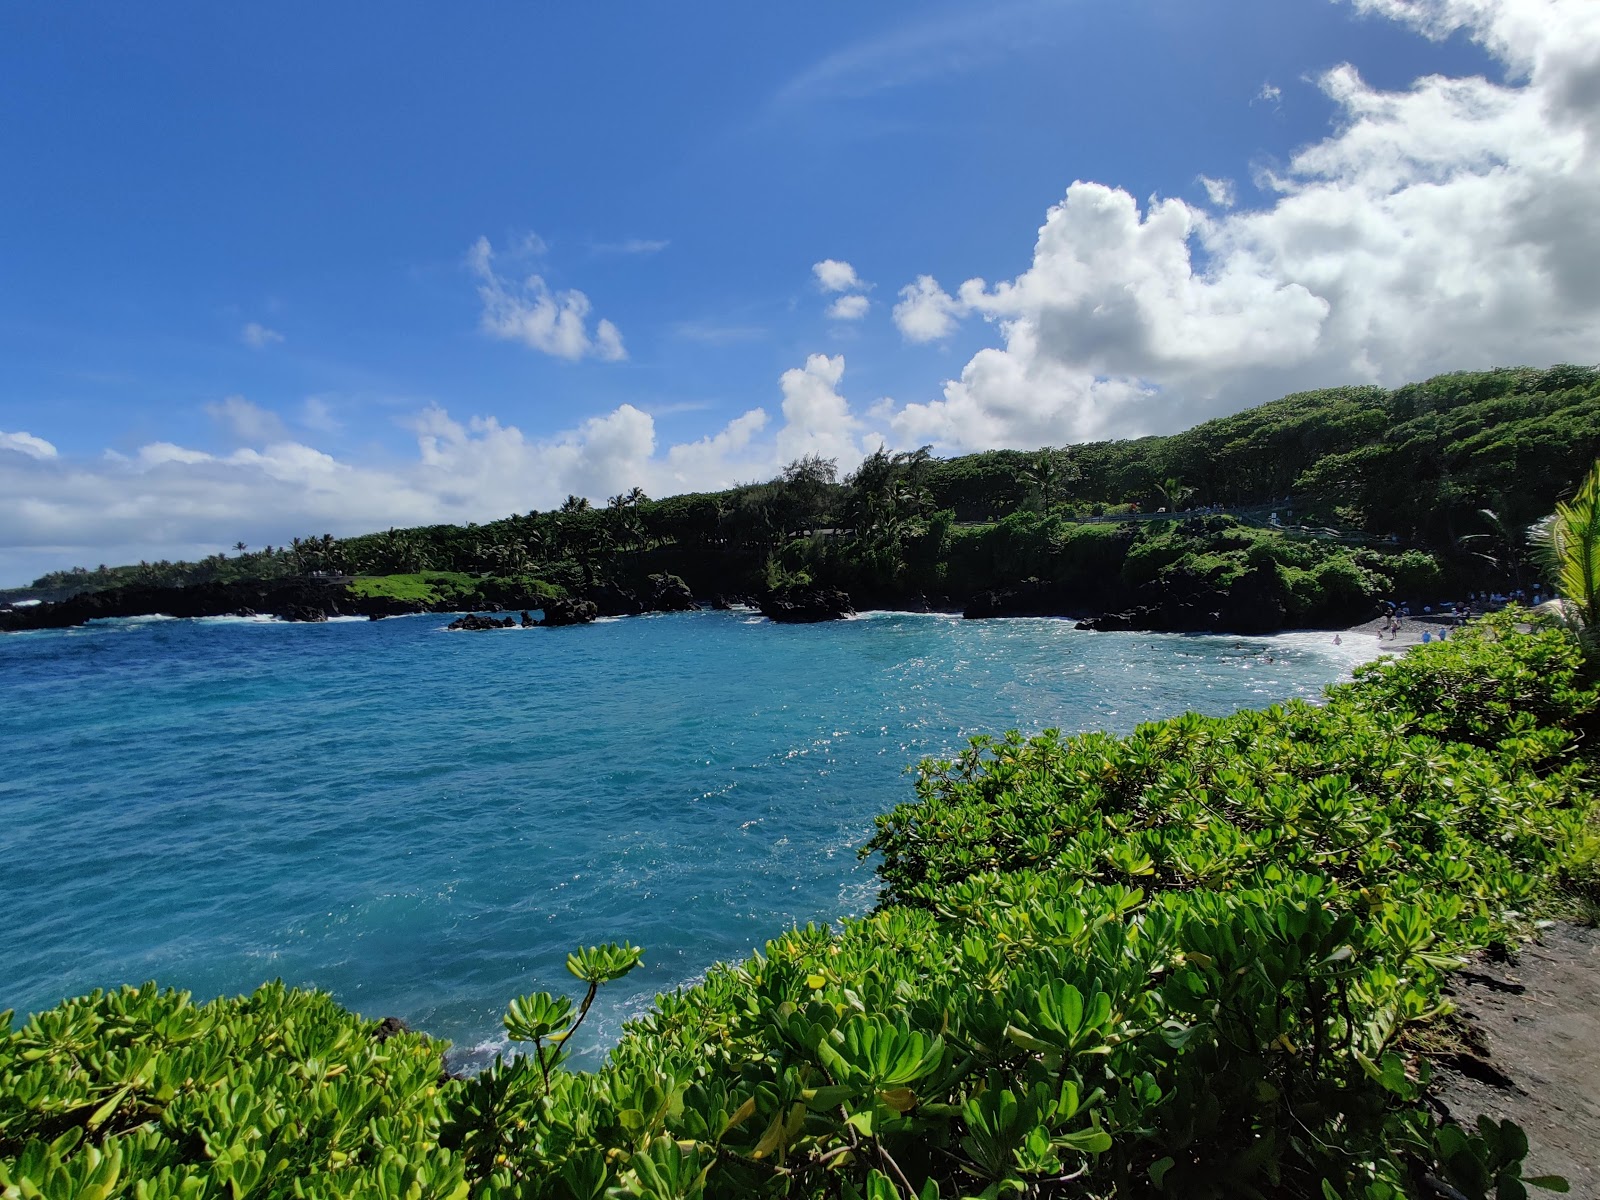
(426, 823)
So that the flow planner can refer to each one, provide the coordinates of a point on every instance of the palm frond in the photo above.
(1568, 543)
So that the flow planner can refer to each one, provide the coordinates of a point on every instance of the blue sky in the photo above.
(266, 270)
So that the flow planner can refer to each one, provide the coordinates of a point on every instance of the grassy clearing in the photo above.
(426, 587)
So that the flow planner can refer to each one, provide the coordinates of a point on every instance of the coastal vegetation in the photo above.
(1204, 959)
(1314, 505)
(434, 589)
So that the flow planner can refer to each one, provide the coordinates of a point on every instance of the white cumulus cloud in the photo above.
(833, 275)
(849, 308)
(926, 312)
(817, 418)
(166, 500)
(1447, 225)
(555, 323)
(1220, 192)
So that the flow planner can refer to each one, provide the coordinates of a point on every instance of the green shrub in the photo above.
(514, 591)
(1414, 576)
(142, 1092)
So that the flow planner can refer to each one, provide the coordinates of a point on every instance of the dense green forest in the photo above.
(1454, 468)
(1205, 960)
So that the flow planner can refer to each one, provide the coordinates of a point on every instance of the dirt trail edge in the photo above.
(1532, 1034)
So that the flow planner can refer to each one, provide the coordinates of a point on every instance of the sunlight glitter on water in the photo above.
(426, 823)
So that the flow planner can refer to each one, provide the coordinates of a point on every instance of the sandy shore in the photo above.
(1410, 634)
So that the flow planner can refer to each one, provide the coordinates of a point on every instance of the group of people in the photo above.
(1487, 600)
(1395, 612)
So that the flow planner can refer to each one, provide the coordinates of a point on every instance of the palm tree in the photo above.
(1569, 542)
(240, 547)
(1049, 471)
(1505, 545)
(1174, 493)
(884, 499)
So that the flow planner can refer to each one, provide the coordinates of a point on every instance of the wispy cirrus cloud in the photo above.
(258, 337)
(639, 246)
(956, 41)
(712, 332)
(316, 413)
(245, 422)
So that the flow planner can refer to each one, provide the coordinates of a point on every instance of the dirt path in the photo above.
(1533, 1028)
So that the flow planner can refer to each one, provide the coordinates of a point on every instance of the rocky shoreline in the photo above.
(1246, 608)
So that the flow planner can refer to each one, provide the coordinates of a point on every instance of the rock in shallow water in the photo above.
(569, 612)
(798, 606)
(473, 623)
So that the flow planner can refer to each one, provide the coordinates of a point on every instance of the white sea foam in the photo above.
(1351, 651)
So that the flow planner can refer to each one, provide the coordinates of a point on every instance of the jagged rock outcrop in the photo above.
(1122, 622)
(1191, 603)
(613, 600)
(1181, 602)
(569, 612)
(804, 606)
(1030, 598)
(289, 599)
(660, 593)
(473, 623)
(668, 593)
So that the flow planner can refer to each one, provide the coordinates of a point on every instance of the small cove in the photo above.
(425, 823)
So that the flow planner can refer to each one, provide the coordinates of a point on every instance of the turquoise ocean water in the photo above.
(425, 823)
